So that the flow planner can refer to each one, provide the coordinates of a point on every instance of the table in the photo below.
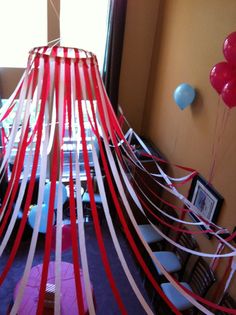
(68, 290)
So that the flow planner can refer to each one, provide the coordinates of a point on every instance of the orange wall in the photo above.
(187, 45)
(139, 38)
(190, 43)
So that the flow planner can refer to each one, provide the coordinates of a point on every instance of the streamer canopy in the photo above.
(59, 129)
(60, 119)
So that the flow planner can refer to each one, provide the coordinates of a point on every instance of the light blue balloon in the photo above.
(43, 220)
(184, 95)
(47, 194)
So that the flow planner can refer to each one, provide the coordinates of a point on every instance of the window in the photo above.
(88, 21)
(71, 145)
(23, 25)
(67, 146)
(83, 24)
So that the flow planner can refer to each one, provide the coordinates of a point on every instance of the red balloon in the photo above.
(221, 74)
(229, 48)
(229, 94)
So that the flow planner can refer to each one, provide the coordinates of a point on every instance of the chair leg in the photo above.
(156, 247)
(160, 307)
(149, 289)
(87, 214)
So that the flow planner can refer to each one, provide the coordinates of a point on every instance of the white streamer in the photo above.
(159, 210)
(129, 211)
(114, 237)
(59, 221)
(34, 238)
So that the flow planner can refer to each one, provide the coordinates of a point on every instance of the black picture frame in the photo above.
(204, 197)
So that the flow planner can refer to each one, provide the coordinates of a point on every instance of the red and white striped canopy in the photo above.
(62, 116)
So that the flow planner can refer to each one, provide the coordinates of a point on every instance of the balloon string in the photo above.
(226, 118)
(224, 124)
(218, 143)
(213, 151)
(175, 141)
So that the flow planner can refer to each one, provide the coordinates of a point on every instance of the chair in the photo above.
(173, 261)
(228, 302)
(86, 205)
(149, 234)
(176, 261)
(154, 240)
(200, 280)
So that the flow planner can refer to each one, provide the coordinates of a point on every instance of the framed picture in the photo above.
(206, 199)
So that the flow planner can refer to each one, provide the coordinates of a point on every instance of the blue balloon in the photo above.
(47, 194)
(43, 220)
(184, 95)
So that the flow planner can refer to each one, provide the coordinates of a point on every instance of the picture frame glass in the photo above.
(206, 199)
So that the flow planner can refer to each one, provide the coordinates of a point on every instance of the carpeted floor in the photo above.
(105, 303)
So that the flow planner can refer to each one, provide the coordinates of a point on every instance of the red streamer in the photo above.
(93, 204)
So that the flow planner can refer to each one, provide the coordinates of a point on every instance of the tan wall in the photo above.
(140, 30)
(9, 78)
(189, 44)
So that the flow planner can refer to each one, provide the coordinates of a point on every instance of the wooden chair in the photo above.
(228, 302)
(151, 236)
(200, 280)
(175, 261)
